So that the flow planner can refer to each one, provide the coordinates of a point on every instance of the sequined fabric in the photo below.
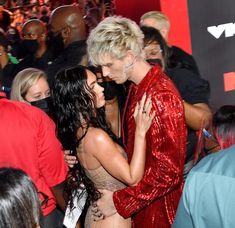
(153, 202)
(103, 180)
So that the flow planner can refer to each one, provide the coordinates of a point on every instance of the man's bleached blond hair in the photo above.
(158, 16)
(114, 36)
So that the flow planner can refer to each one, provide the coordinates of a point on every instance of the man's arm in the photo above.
(51, 159)
(58, 192)
(157, 183)
(197, 115)
(196, 92)
(166, 145)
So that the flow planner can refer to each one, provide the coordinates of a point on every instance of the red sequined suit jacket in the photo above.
(153, 202)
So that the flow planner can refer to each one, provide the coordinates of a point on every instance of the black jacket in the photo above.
(72, 55)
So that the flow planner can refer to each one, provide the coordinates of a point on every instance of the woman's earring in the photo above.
(0, 53)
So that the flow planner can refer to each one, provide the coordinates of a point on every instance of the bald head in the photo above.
(34, 30)
(69, 21)
(35, 25)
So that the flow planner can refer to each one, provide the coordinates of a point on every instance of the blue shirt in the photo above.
(208, 199)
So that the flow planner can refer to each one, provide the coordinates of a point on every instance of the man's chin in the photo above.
(120, 81)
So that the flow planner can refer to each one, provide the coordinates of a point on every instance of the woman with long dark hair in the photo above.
(82, 128)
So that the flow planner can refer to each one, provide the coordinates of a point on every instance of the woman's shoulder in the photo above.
(97, 133)
(96, 136)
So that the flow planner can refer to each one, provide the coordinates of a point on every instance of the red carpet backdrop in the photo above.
(204, 28)
(213, 45)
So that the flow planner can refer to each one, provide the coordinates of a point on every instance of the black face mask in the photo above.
(153, 62)
(44, 104)
(28, 47)
(55, 43)
(110, 89)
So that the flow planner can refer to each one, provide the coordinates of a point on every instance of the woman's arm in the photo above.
(101, 146)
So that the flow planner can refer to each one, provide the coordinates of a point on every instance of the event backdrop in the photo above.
(212, 26)
(204, 28)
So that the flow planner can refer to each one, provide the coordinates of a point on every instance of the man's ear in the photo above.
(43, 36)
(66, 32)
(164, 32)
(130, 57)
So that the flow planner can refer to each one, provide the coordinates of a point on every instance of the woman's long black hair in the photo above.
(74, 105)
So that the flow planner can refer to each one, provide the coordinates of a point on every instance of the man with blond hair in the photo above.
(157, 20)
(160, 21)
(116, 44)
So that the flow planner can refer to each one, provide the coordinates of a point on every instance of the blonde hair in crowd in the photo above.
(114, 36)
(23, 81)
(158, 16)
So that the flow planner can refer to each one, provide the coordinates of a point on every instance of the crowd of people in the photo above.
(92, 102)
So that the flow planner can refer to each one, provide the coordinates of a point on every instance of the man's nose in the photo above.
(105, 71)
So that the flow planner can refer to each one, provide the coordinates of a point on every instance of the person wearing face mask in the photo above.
(67, 35)
(14, 40)
(8, 64)
(194, 90)
(31, 86)
(35, 50)
(28, 142)
(161, 22)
